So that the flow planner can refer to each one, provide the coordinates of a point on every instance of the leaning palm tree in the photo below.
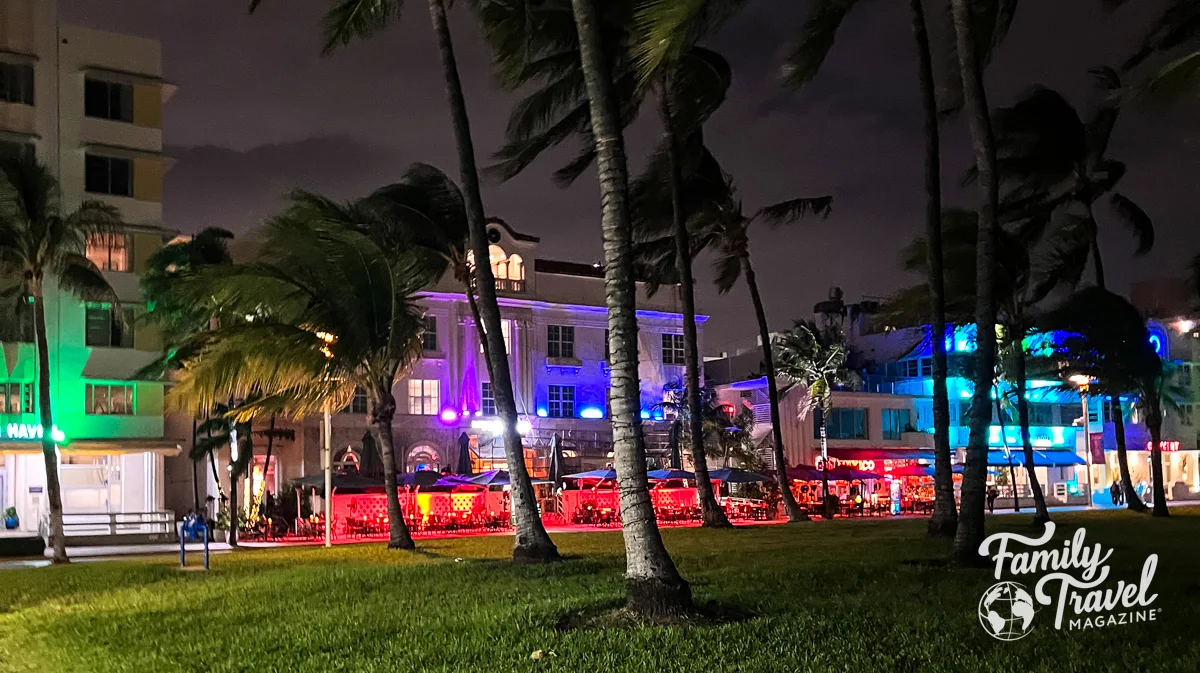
(1054, 168)
(654, 586)
(328, 311)
(970, 531)
(349, 20)
(717, 222)
(42, 246)
(1108, 344)
(538, 45)
(803, 63)
(815, 358)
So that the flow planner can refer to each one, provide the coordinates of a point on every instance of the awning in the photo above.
(101, 447)
(842, 453)
(1041, 458)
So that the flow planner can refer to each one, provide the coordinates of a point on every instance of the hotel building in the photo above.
(89, 104)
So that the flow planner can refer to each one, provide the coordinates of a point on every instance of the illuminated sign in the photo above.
(1040, 437)
(31, 432)
(1167, 446)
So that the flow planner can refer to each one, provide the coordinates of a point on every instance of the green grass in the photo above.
(857, 596)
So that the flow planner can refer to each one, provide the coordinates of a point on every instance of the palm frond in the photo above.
(1136, 220)
(1174, 82)
(787, 212)
(348, 20)
(807, 54)
(79, 276)
(663, 31)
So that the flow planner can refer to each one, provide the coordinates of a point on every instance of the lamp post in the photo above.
(1083, 382)
(327, 461)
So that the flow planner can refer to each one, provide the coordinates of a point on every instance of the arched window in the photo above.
(509, 271)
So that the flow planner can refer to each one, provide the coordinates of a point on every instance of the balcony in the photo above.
(510, 285)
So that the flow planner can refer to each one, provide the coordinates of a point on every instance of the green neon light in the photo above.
(32, 432)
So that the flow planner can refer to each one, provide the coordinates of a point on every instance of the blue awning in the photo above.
(1041, 458)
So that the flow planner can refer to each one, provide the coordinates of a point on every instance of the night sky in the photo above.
(259, 112)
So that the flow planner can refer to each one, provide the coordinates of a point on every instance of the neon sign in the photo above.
(1166, 446)
(31, 431)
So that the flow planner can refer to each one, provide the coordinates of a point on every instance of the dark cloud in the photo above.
(259, 112)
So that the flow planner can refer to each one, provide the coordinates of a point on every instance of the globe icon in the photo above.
(1006, 611)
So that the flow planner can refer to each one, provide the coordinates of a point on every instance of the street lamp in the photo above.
(1083, 382)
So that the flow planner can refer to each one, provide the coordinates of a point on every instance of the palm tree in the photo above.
(348, 20)
(815, 358)
(970, 531)
(1174, 29)
(1017, 296)
(175, 320)
(40, 246)
(654, 586)
(329, 311)
(1108, 344)
(1055, 168)
(803, 64)
(536, 45)
(716, 221)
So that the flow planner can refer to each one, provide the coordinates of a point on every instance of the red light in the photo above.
(728, 409)
(1167, 446)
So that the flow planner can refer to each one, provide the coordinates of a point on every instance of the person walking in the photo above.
(1115, 492)
(992, 494)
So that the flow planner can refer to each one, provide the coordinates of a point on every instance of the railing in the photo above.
(510, 285)
(114, 523)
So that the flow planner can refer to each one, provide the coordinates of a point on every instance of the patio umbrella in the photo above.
(462, 464)
(803, 473)
(420, 478)
(556, 461)
(663, 475)
(490, 478)
(847, 473)
(341, 482)
(736, 475)
(605, 473)
(372, 464)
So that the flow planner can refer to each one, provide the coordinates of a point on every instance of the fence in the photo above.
(115, 523)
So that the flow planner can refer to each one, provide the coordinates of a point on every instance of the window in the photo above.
(429, 339)
(358, 403)
(423, 397)
(105, 327)
(108, 100)
(607, 348)
(110, 400)
(895, 421)
(16, 83)
(487, 400)
(109, 252)
(16, 398)
(13, 148)
(843, 424)
(672, 349)
(1185, 374)
(107, 175)
(505, 328)
(926, 366)
(1041, 414)
(910, 368)
(562, 402)
(1069, 413)
(1186, 414)
(560, 341)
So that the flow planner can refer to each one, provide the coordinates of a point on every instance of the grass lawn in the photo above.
(843, 596)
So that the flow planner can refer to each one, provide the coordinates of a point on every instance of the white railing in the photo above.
(115, 523)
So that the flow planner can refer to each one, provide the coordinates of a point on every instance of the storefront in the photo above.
(97, 477)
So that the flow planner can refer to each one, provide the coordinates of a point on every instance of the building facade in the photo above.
(555, 325)
(89, 104)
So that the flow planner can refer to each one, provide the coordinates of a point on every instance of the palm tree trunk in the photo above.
(1042, 513)
(195, 477)
(1097, 261)
(262, 490)
(483, 342)
(1012, 471)
(531, 544)
(381, 412)
(654, 587)
(794, 513)
(216, 473)
(945, 514)
(233, 495)
(970, 531)
(45, 410)
(826, 506)
(1132, 500)
(711, 513)
(1154, 425)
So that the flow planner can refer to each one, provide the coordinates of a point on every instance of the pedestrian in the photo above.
(1115, 492)
(992, 494)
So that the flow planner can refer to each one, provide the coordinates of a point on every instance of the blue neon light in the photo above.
(591, 412)
(542, 412)
(645, 415)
